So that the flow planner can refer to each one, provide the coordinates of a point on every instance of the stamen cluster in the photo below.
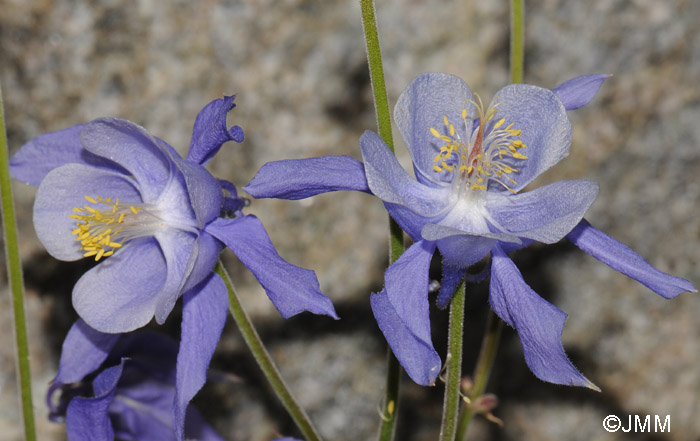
(483, 152)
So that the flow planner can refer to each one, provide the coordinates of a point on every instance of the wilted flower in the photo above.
(109, 188)
(470, 163)
(123, 386)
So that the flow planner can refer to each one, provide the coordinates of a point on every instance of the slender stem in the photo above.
(14, 270)
(376, 72)
(381, 106)
(454, 365)
(489, 346)
(265, 362)
(517, 40)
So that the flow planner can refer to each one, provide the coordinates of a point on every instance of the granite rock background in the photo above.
(299, 70)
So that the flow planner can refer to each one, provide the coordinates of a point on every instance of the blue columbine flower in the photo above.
(123, 386)
(109, 188)
(471, 163)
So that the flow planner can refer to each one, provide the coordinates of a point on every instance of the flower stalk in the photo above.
(381, 106)
(454, 365)
(264, 360)
(14, 271)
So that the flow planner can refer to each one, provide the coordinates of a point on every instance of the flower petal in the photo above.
(577, 92)
(133, 148)
(291, 289)
(143, 407)
(65, 188)
(208, 250)
(418, 357)
(83, 351)
(545, 214)
(120, 294)
(204, 192)
(422, 106)
(35, 159)
(180, 251)
(87, 418)
(622, 258)
(546, 130)
(303, 178)
(538, 322)
(390, 182)
(408, 220)
(204, 313)
(461, 249)
(210, 131)
(406, 284)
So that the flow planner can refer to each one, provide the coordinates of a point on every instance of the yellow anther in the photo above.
(452, 130)
(436, 168)
(115, 244)
(133, 209)
(518, 155)
(499, 123)
(437, 157)
(90, 253)
(89, 199)
(517, 143)
(78, 210)
(108, 253)
(121, 218)
(435, 133)
(478, 187)
(99, 254)
(75, 216)
(444, 118)
(464, 113)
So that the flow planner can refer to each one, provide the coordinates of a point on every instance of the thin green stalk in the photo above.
(14, 270)
(450, 406)
(517, 40)
(264, 360)
(387, 427)
(489, 346)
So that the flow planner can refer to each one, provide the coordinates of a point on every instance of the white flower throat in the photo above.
(475, 161)
(101, 231)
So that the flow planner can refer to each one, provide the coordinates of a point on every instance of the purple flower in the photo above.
(109, 188)
(122, 386)
(471, 163)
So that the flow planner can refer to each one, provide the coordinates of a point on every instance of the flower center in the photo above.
(102, 230)
(488, 155)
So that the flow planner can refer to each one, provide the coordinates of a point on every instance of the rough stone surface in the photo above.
(299, 70)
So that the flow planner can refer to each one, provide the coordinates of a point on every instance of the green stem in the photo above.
(387, 427)
(265, 362)
(14, 270)
(484, 364)
(454, 365)
(517, 40)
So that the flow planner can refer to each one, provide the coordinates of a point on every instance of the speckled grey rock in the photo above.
(299, 70)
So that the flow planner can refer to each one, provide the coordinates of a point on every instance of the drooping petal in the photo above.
(577, 92)
(409, 221)
(422, 106)
(418, 357)
(120, 294)
(622, 258)
(303, 178)
(406, 284)
(451, 277)
(538, 322)
(390, 182)
(87, 418)
(180, 251)
(35, 159)
(291, 289)
(545, 214)
(210, 131)
(65, 188)
(546, 130)
(84, 350)
(205, 195)
(204, 313)
(133, 148)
